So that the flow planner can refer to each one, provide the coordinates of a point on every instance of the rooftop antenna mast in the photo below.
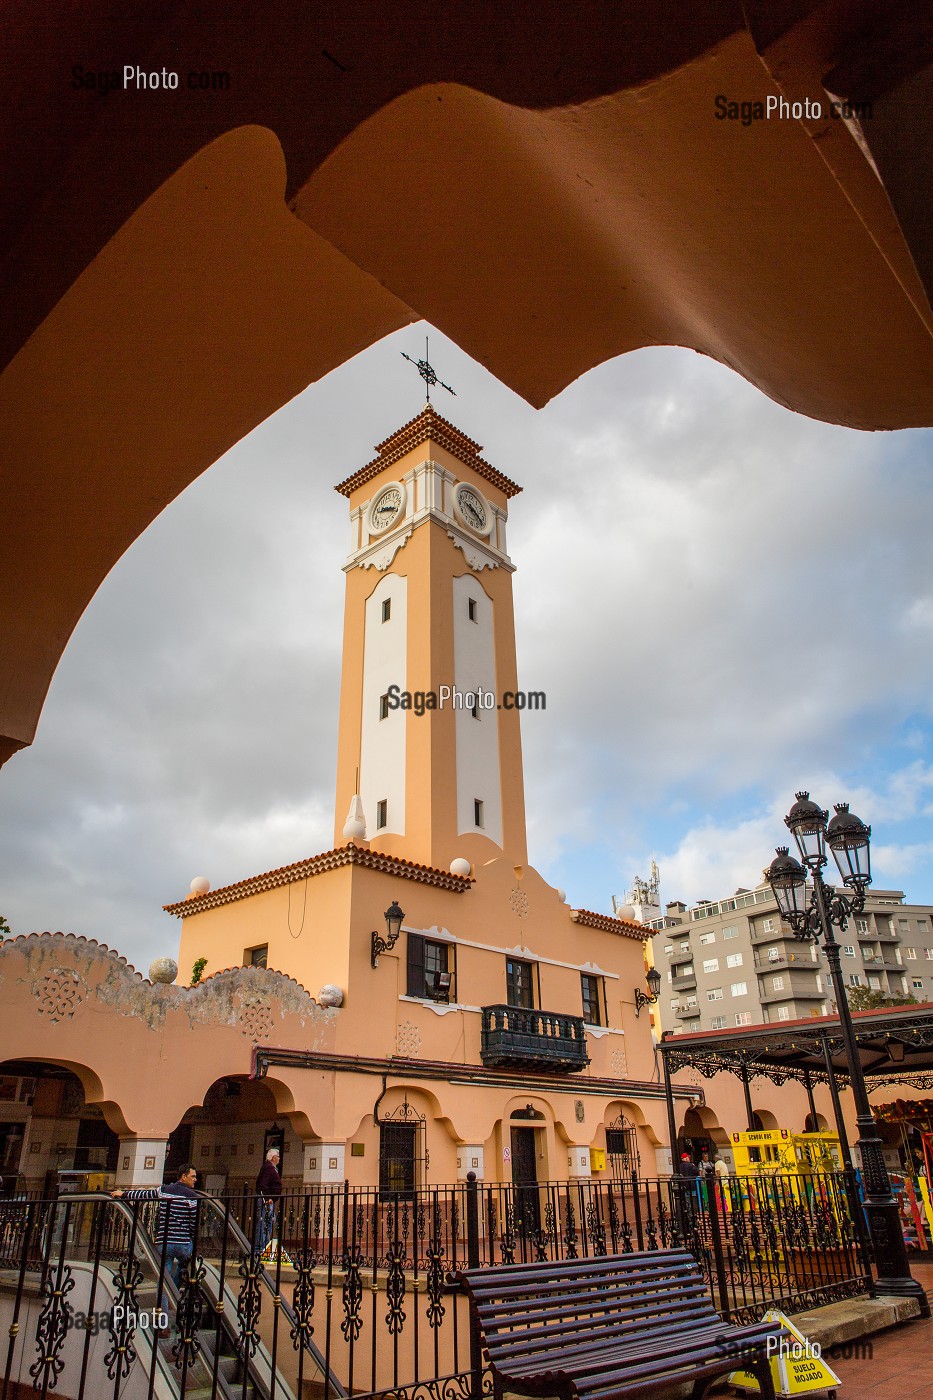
(428, 374)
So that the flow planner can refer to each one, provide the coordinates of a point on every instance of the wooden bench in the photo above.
(594, 1329)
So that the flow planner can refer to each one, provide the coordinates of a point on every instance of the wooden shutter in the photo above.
(415, 965)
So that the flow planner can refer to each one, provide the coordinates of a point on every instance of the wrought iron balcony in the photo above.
(514, 1037)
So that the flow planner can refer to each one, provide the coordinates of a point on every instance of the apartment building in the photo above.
(734, 962)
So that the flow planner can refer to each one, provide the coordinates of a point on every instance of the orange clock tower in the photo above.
(429, 761)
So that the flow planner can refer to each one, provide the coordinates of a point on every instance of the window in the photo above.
(731, 932)
(707, 938)
(854, 979)
(917, 983)
(382, 814)
(519, 983)
(675, 1002)
(711, 965)
(743, 1018)
(849, 950)
(819, 983)
(685, 947)
(397, 1148)
(478, 819)
(430, 968)
(718, 1023)
(928, 954)
(734, 960)
(874, 982)
(861, 926)
(767, 925)
(777, 983)
(471, 609)
(383, 707)
(911, 954)
(903, 925)
(739, 989)
(774, 955)
(684, 970)
(257, 957)
(668, 948)
(593, 999)
(714, 994)
(783, 1013)
(386, 609)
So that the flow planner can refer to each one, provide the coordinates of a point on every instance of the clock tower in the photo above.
(429, 759)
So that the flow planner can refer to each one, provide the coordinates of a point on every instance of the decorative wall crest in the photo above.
(255, 1021)
(619, 1064)
(408, 1040)
(381, 558)
(518, 902)
(59, 994)
(477, 559)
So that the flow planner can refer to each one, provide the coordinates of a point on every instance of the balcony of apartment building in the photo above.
(777, 959)
(865, 933)
(769, 930)
(683, 977)
(688, 1010)
(518, 1037)
(792, 990)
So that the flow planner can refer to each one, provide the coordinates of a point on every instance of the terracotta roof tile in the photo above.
(316, 865)
(626, 928)
(428, 424)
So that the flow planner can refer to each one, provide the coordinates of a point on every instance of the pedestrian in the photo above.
(687, 1189)
(721, 1168)
(268, 1191)
(688, 1166)
(176, 1217)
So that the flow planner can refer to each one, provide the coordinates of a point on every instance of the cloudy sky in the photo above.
(724, 602)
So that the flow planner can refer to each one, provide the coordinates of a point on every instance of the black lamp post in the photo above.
(818, 912)
(393, 917)
(648, 998)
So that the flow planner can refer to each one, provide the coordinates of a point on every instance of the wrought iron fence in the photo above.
(358, 1292)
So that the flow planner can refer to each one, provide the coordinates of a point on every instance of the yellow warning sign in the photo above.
(797, 1365)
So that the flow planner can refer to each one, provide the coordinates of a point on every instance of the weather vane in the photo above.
(427, 373)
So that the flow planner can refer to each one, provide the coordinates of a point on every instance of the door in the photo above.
(525, 1182)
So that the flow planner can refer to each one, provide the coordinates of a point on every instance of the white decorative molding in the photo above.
(477, 558)
(380, 556)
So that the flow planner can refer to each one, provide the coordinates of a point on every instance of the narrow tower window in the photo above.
(386, 609)
(471, 609)
(477, 812)
(382, 814)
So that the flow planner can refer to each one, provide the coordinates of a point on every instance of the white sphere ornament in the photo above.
(460, 866)
(200, 884)
(163, 970)
(330, 995)
(562, 896)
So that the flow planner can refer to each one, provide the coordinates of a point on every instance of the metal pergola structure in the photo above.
(895, 1047)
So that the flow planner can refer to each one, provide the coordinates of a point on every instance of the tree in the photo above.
(870, 999)
(5, 931)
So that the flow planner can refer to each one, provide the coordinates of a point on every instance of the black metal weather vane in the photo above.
(428, 373)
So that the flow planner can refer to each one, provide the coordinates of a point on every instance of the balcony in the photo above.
(516, 1038)
(683, 981)
(687, 1010)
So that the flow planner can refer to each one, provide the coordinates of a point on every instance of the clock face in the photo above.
(385, 509)
(473, 510)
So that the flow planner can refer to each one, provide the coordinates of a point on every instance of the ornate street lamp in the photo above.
(393, 917)
(814, 913)
(648, 998)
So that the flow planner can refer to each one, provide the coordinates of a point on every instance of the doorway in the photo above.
(525, 1181)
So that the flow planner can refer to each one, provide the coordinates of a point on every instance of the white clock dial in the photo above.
(473, 510)
(386, 508)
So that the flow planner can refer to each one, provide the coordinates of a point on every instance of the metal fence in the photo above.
(355, 1291)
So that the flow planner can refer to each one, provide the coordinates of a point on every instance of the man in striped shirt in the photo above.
(175, 1218)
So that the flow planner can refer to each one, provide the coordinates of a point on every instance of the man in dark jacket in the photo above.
(268, 1191)
(175, 1219)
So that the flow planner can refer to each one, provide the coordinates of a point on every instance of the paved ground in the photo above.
(899, 1364)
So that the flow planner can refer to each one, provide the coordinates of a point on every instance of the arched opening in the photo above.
(52, 1141)
(765, 1121)
(227, 1136)
(815, 1125)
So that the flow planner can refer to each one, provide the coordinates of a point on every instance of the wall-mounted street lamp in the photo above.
(816, 911)
(648, 998)
(393, 916)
